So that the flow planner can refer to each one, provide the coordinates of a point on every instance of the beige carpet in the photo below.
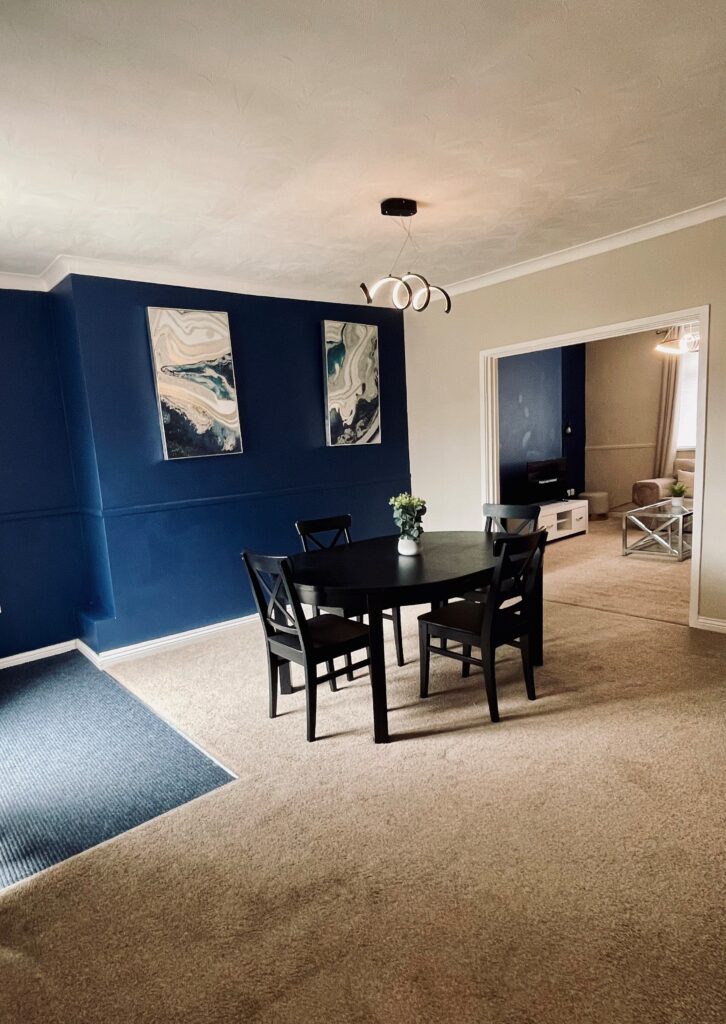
(562, 866)
(591, 571)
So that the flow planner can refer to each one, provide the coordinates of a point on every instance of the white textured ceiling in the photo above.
(255, 138)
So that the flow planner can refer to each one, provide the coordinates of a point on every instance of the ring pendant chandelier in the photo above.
(409, 290)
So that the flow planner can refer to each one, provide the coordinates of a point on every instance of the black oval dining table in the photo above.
(371, 574)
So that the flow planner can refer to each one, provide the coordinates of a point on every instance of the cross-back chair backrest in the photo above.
(512, 519)
(519, 560)
(334, 530)
(275, 596)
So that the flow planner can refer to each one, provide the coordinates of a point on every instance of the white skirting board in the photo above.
(105, 658)
(714, 625)
(189, 637)
(38, 653)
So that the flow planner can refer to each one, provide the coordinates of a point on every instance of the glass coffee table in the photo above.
(659, 529)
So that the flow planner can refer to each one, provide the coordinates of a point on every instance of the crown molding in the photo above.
(22, 282)
(641, 233)
(64, 265)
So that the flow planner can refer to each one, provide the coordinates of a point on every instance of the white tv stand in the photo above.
(563, 518)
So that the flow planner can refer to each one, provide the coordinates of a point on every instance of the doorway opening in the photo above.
(622, 380)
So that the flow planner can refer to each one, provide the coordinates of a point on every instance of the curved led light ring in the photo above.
(425, 290)
(370, 293)
(403, 295)
(447, 297)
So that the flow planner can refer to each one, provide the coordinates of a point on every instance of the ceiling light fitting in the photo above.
(680, 340)
(409, 291)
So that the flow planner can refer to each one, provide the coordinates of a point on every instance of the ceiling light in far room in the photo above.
(409, 290)
(680, 340)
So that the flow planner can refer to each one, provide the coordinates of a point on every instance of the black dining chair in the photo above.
(512, 519)
(504, 618)
(321, 534)
(290, 637)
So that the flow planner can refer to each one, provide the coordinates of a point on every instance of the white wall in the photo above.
(622, 397)
(677, 271)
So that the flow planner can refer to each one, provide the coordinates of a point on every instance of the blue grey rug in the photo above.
(82, 760)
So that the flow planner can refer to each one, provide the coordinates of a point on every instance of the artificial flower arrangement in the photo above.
(408, 511)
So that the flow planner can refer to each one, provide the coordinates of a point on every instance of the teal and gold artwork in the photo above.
(352, 393)
(195, 382)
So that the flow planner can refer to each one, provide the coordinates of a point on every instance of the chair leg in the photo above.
(396, 616)
(348, 664)
(444, 640)
(465, 666)
(273, 667)
(424, 657)
(311, 699)
(528, 666)
(490, 684)
(333, 683)
(435, 605)
(285, 678)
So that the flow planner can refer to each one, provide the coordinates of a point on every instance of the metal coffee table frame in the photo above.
(663, 529)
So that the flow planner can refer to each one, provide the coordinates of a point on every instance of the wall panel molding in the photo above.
(225, 499)
(39, 513)
(618, 447)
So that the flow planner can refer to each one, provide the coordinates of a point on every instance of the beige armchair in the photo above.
(647, 492)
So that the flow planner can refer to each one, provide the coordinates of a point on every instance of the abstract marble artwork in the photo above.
(195, 383)
(352, 396)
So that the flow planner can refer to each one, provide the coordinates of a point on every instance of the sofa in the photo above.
(647, 492)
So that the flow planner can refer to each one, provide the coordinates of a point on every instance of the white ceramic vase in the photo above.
(677, 502)
(406, 546)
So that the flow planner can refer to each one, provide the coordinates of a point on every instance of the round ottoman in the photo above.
(598, 503)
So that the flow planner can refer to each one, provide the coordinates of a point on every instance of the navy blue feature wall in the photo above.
(539, 393)
(41, 554)
(162, 539)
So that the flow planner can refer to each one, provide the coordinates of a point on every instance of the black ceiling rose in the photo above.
(399, 207)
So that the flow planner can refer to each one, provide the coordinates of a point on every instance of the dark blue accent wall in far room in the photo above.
(41, 557)
(539, 392)
(530, 416)
(163, 538)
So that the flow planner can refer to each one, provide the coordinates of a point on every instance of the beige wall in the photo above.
(622, 395)
(677, 271)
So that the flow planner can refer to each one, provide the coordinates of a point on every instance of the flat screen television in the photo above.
(547, 480)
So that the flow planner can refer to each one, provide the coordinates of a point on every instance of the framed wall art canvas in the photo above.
(352, 392)
(195, 382)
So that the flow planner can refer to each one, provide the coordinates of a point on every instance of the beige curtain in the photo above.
(666, 437)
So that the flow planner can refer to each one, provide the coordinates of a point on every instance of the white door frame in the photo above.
(489, 407)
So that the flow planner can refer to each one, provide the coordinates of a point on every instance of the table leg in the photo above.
(378, 674)
(538, 620)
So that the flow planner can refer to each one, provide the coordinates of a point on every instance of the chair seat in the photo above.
(465, 617)
(331, 633)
